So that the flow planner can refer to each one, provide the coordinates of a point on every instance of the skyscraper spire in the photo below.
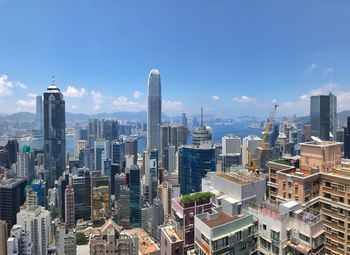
(202, 123)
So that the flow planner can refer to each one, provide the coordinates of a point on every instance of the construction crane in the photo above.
(254, 162)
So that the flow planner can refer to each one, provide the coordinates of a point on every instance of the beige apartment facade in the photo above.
(321, 179)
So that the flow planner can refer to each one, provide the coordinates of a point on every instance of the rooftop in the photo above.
(220, 218)
(241, 178)
(321, 143)
(172, 235)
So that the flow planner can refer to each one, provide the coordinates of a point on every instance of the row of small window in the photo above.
(338, 233)
(340, 246)
(339, 199)
(340, 187)
(341, 211)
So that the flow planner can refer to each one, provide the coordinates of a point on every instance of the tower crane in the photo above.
(254, 162)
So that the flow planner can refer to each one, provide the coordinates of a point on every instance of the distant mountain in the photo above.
(341, 117)
(19, 117)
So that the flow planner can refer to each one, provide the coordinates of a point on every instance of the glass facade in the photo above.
(194, 164)
(54, 134)
(135, 197)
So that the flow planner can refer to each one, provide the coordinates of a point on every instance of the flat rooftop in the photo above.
(146, 244)
(241, 178)
(172, 235)
(321, 143)
(222, 219)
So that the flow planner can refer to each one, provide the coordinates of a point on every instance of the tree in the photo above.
(81, 238)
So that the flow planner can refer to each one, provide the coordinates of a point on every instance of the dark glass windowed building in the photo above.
(347, 140)
(194, 164)
(323, 116)
(54, 134)
(135, 197)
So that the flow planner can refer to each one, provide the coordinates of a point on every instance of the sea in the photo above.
(219, 131)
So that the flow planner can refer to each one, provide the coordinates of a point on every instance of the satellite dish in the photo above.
(316, 139)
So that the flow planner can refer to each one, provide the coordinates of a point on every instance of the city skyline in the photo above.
(101, 54)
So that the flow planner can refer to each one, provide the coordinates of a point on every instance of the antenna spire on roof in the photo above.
(53, 79)
(202, 124)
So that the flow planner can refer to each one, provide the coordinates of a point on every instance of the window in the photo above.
(341, 211)
(328, 230)
(265, 244)
(341, 223)
(275, 249)
(205, 239)
(275, 235)
(304, 237)
(341, 187)
(327, 184)
(340, 234)
(327, 195)
(328, 218)
(327, 206)
(341, 199)
(264, 226)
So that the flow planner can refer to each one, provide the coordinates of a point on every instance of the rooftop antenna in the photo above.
(330, 85)
(202, 116)
(53, 79)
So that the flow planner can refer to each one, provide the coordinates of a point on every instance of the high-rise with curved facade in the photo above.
(154, 110)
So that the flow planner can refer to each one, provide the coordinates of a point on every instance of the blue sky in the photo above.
(232, 57)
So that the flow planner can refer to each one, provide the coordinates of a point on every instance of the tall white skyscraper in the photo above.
(251, 142)
(154, 112)
(231, 144)
(36, 222)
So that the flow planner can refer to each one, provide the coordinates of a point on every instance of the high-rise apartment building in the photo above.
(154, 113)
(54, 134)
(69, 207)
(101, 198)
(3, 237)
(82, 193)
(110, 130)
(134, 177)
(92, 132)
(323, 116)
(319, 179)
(12, 147)
(12, 196)
(25, 163)
(131, 148)
(288, 228)
(36, 222)
(100, 145)
(80, 144)
(158, 218)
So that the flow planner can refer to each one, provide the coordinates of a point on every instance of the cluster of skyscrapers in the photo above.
(285, 192)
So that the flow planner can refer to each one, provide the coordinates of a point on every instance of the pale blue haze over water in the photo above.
(218, 132)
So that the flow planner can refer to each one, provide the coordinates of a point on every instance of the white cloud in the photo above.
(136, 94)
(5, 86)
(26, 105)
(302, 105)
(74, 107)
(123, 104)
(21, 85)
(328, 71)
(244, 100)
(74, 92)
(172, 106)
(31, 94)
(97, 98)
(310, 69)
(215, 98)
